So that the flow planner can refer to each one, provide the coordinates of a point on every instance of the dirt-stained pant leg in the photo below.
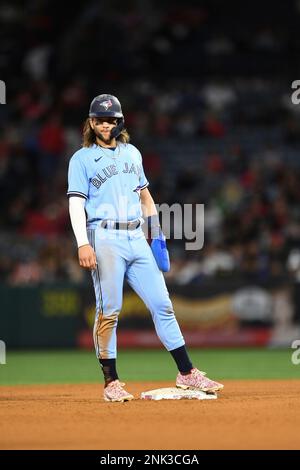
(108, 279)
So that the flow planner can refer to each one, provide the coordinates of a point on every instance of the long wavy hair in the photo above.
(89, 136)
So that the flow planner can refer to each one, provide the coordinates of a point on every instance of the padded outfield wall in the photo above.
(223, 313)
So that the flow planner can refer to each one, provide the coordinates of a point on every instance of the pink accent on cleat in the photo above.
(115, 392)
(196, 380)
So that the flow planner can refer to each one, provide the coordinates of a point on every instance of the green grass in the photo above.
(42, 367)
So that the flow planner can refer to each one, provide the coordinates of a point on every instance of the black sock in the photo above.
(182, 360)
(109, 370)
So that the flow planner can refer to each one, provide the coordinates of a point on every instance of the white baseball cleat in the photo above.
(196, 380)
(115, 392)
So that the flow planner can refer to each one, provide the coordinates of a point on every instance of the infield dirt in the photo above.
(248, 414)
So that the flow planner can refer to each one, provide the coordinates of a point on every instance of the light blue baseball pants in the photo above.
(120, 254)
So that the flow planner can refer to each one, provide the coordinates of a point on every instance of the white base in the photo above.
(174, 393)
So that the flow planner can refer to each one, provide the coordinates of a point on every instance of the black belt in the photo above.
(120, 225)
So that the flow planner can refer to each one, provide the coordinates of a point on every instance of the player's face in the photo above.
(102, 127)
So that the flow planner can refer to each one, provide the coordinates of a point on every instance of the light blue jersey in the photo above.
(110, 180)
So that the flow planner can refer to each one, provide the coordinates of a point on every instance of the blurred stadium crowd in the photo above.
(206, 92)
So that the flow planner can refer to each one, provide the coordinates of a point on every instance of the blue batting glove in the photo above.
(160, 252)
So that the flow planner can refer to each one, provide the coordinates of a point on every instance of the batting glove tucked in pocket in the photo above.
(160, 252)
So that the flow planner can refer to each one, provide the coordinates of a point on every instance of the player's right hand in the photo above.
(87, 257)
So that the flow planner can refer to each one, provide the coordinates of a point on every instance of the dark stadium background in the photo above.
(206, 91)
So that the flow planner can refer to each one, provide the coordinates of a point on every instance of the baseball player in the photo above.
(109, 200)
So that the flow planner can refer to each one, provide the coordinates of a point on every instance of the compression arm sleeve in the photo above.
(78, 219)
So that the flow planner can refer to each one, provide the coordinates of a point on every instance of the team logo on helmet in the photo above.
(106, 104)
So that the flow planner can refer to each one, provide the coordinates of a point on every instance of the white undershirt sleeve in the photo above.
(78, 219)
